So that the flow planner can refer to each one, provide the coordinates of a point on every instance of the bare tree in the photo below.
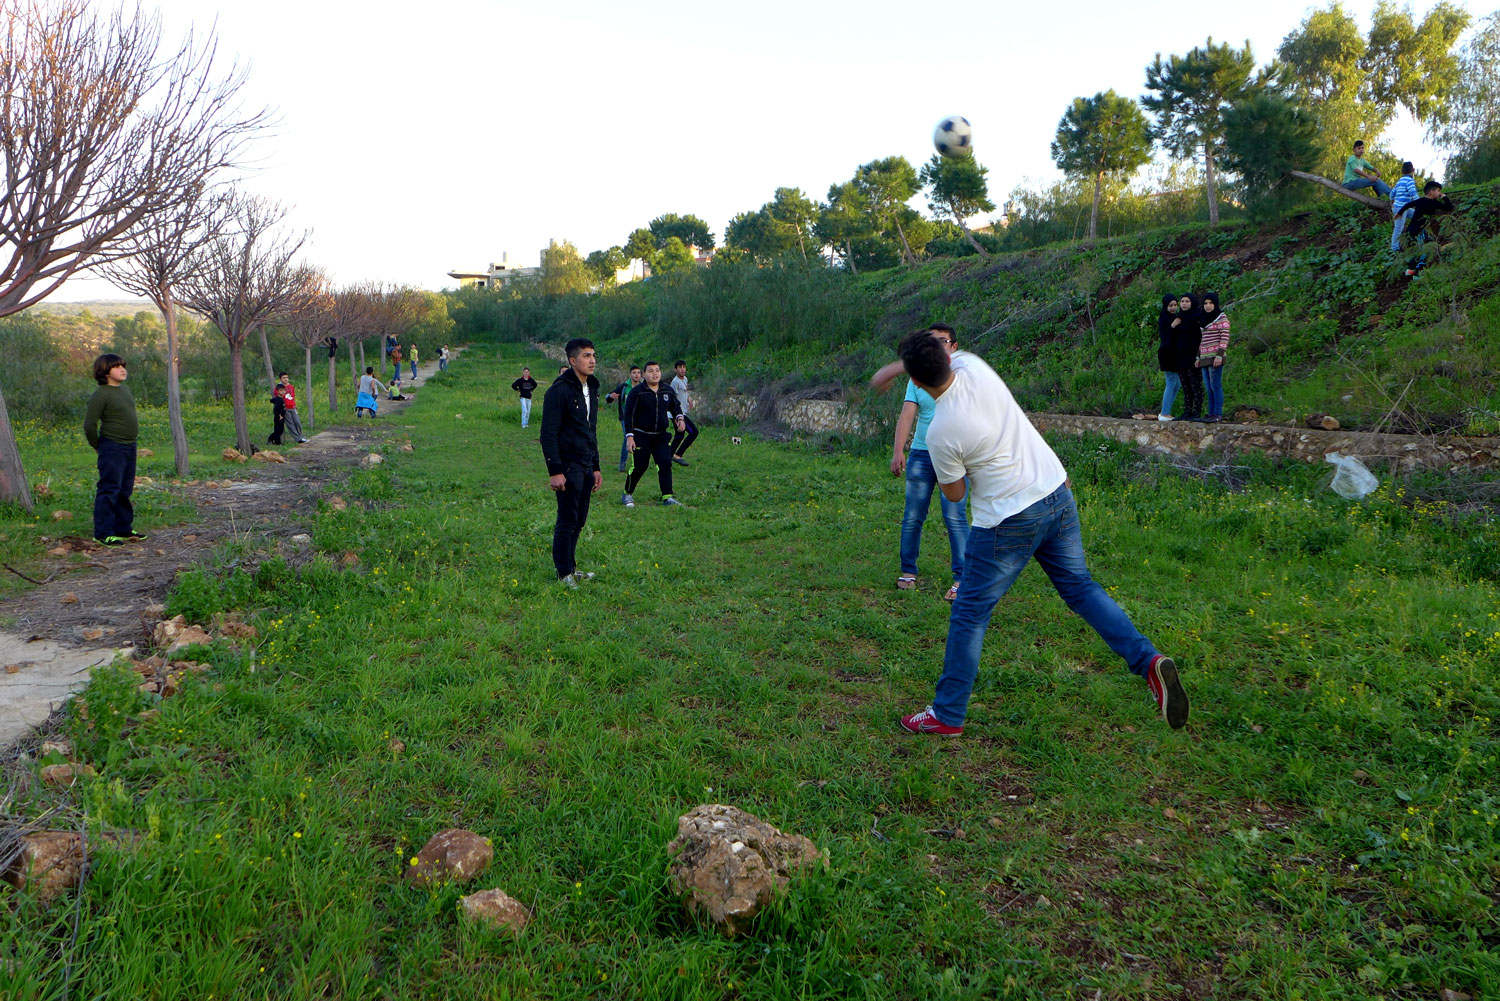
(165, 250)
(102, 131)
(313, 321)
(242, 279)
(354, 309)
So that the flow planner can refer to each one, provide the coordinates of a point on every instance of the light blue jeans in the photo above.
(1381, 188)
(1169, 395)
(1049, 531)
(1213, 388)
(1399, 226)
(921, 481)
(525, 411)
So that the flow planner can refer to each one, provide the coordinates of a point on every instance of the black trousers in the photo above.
(113, 513)
(650, 446)
(278, 427)
(1192, 392)
(682, 439)
(572, 514)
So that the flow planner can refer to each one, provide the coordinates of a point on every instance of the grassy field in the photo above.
(1325, 827)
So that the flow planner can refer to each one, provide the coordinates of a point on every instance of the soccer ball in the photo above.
(953, 136)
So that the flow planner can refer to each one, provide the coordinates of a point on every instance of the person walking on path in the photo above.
(1402, 197)
(917, 409)
(570, 446)
(443, 358)
(110, 427)
(293, 421)
(1212, 346)
(369, 387)
(278, 415)
(688, 433)
(1359, 174)
(413, 362)
(618, 398)
(651, 410)
(526, 385)
(1023, 508)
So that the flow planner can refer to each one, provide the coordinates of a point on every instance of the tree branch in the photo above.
(1339, 189)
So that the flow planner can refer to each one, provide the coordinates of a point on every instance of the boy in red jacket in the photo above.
(293, 422)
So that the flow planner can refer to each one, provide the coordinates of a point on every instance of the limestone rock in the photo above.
(233, 455)
(1322, 422)
(372, 460)
(406, 447)
(727, 864)
(266, 455)
(175, 633)
(497, 909)
(70, 598)
(49, 864)
(337, 503)
(66, 774)
(454, 855)
(144, 453)
(41, 490)
(61, 515)
(231, 626)
(302, 539)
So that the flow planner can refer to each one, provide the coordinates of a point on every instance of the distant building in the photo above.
(498, 275)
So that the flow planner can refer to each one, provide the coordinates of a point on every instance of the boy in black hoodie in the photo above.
(278, 414)
(651, 410)
(570, 445)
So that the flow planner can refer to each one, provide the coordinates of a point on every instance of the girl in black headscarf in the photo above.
(1166, 323)
(1185, 356)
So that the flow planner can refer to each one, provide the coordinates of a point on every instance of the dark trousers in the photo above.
(647, 447)
(278, 427)
(683, 439)
(113, 514)
(1192, 392)
(572, 513)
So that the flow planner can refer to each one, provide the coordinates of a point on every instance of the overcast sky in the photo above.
(417, 138)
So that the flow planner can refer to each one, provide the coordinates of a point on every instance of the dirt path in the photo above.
(53, 635)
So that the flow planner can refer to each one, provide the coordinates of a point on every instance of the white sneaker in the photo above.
(568, 581)
(1165, 419)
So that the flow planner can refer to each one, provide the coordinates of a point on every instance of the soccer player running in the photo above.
(651, 410)
(525, 385)
(570, 414)
(1022, 508)
(688, 432)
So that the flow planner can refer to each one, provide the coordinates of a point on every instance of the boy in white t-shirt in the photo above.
(1022, 507)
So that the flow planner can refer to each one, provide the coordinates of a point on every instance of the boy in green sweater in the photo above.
(109, 423)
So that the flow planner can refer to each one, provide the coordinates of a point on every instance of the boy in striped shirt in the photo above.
(1402, 195)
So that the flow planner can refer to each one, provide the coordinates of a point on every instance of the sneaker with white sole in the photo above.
(1166, 688)
(627, 500)
(670, 501)
(1165, 418)
(567, 581)
(926, 722)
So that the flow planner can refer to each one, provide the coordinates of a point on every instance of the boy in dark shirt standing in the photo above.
(570, 446)
(110, 425)
(526, 385)
(278, 415)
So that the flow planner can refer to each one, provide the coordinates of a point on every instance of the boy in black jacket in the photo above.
(651, 410)
(570, 414)
(278, 414)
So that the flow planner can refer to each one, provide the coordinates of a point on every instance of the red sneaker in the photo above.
(1167, 689)
(926, 722)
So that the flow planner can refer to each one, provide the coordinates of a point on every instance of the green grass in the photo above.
(1324, 828)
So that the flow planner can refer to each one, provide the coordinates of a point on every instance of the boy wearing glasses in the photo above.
(110, 425)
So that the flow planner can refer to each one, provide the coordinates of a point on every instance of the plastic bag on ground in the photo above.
(1351, 480)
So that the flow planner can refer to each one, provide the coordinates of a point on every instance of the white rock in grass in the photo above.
(497, 909)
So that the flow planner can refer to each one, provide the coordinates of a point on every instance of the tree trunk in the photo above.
(363, 365)
(1094, 212)
(353, 365)
(307, 357)
(909, 257)
(237, 392)
(383, 355)
(265, 350)
(333, 388)
(174, 384)
(1212, 182)
(965, 227)
(13, 485)
(849, 256)
(1339, 189)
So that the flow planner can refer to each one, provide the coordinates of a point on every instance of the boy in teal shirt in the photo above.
(110, 425)
(1358, 173)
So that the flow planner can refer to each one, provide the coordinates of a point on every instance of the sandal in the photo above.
(907, 582)
(952, 592)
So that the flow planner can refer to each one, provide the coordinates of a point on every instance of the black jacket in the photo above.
(651, 412)
(525, 387)
(568, 423)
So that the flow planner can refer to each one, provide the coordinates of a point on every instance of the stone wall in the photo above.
(799, 415)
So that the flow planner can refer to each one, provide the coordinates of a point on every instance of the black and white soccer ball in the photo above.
(954, 136)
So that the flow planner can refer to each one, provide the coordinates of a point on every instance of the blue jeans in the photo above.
(1381, 188)
(623, 453)
(1169, 395)
(1213, 386)
(996, 556)
(442, 364)
(921, 480)
(1402, 218)
(413, 368)
(525, 411)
